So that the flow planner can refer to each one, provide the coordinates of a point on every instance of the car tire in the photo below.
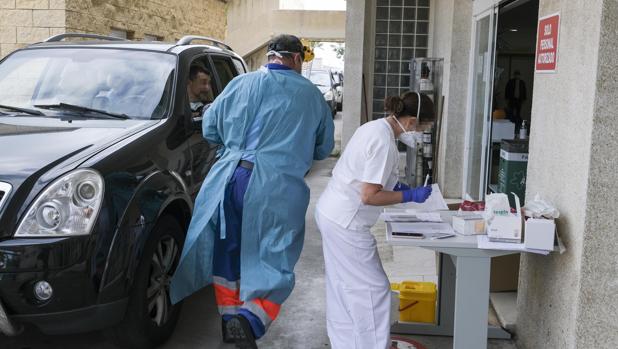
(151, 318)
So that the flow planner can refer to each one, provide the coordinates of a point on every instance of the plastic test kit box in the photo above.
(506, 228)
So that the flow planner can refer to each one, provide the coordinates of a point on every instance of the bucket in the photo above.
(417, 301)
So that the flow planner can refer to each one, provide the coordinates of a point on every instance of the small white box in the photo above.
(540, 234)
(469, 224)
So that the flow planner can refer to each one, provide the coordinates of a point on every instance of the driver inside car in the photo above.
(198, 88)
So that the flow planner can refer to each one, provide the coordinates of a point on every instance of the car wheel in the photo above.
(151, 317)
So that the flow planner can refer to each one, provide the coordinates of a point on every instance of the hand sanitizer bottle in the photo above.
(523, 130)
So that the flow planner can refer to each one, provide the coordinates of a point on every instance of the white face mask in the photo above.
(410, 138)
(195, 105)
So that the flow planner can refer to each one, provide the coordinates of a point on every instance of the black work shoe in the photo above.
(240, 332)
(224, 334)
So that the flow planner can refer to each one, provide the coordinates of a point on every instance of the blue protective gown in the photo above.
(296, 128)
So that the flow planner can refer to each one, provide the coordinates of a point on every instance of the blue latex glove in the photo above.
(419, 194)
(401, 187)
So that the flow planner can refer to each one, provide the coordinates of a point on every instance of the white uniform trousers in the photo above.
(358, 296)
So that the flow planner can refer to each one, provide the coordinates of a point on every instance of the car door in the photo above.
(223, 69)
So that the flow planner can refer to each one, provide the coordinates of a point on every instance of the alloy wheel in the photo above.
(162, 267)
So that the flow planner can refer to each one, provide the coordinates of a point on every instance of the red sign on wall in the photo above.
(547, 43)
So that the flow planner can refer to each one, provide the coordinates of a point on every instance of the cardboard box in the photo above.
(504, 274)
(540, 234)
(453, 206)
(469, 224)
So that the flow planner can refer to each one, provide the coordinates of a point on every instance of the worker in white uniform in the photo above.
(358, 297)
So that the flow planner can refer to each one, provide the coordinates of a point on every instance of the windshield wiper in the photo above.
(79, 108)
(22, 110)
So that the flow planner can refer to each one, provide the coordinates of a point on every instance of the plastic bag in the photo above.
(472, 206)
(540, 208)
(496, 205)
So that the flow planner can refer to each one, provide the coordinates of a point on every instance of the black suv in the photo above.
(100, 162)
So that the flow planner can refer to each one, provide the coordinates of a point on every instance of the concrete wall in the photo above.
(451, 41)
(597, 311)
(252, 23)
(358, 65)
(24, 22)
(569, 301)
(257, 58)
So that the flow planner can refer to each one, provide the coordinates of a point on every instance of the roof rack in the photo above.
(187, 40)
(60, 37)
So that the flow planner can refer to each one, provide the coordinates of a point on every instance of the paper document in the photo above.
(429, 216)
(484, 243)
(428, 229)
(435, 202)
(406, 216)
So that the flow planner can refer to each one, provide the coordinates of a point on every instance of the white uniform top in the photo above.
(371, 156)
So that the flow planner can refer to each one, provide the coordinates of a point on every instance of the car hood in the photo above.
(31, 146)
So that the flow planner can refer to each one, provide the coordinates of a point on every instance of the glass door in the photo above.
(478, 126)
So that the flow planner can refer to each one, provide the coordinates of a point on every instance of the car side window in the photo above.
(226, 70)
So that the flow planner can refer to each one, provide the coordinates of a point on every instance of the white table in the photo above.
(463, 300)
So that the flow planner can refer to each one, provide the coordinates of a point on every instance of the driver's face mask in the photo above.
(410, 138)
(195, 105)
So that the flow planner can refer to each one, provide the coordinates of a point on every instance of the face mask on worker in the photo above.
(410, 138)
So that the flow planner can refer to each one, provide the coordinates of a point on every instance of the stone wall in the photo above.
(24, 22)
(167, 20)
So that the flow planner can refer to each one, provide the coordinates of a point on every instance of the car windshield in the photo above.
(135, 83)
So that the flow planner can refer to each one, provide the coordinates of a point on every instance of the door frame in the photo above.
(482, 9)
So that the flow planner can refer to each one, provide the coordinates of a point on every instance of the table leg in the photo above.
(471, 302)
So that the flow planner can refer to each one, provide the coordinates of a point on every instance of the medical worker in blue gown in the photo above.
(248, 224)
(365, 178)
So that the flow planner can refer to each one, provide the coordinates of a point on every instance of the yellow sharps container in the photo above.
(417, 301)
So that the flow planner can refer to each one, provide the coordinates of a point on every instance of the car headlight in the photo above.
(67, 207)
